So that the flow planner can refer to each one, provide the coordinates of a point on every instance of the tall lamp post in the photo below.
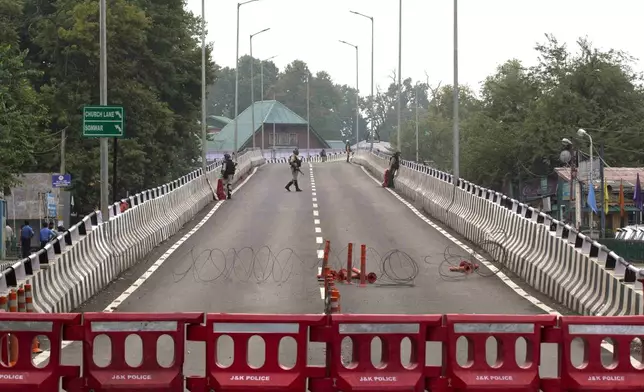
(308, 116)
(261, 66)
(399, 74)
(357, 95)
(581, 133)
(456, 153)
(237, 75)
(416, 99)
(252, 86)
(103, 101)
(373, 133)
(203, 87)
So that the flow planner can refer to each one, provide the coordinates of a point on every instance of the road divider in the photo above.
(552, 256)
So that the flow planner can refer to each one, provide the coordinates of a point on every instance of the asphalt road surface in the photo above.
(354, 208)
(254, 279)
(256, 254)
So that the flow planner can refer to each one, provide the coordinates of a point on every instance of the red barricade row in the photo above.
(272, 376)
(623, 374)
(391, 374)
(506, 374)
(149, 375)
(23, 376)
(401, 368)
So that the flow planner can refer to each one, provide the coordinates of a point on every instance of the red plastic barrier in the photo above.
(240, 375)
(150, 375)
(506, 375)
(24, 376)
(392, 374)
(593, 376)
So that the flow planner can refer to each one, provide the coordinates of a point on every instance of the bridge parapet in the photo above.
(552, 256)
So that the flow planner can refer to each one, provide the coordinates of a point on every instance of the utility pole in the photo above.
(398, 146)
(603, 199)
(456, 130)
(204, 147)
(373, 99)
(252, 85)
(416, 98)
(103, 102)
(308, 116)
(274, 139)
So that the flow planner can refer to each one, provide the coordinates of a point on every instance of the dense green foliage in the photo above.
(513, 130)
(49, 68)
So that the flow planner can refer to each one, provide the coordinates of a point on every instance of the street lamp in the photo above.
(252, 86)
(261, 64)
(416, 98)
(581, 133)
(456, 132)
(308, 116)
(357, 96)
(203, 87)
(399, 73)
(373, 133)
(237, 75)
(103, 101)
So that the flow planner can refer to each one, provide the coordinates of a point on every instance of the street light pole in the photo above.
(399, 73)
(252, 85)
(308, 116)
(103, 102)
(581, 132)
(237, 77)
(261, 65)
(416, 98)
(456, 131)
(357, 95)
(203, 87)
(373, 98)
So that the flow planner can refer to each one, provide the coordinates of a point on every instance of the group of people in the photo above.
(47, 232)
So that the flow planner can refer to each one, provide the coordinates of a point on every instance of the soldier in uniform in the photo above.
(227, 173)
(295, 163)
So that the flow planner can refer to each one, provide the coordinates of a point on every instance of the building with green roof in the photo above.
(290, 129)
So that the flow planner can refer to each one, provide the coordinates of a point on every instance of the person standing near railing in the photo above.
(26, 233)
(394, 165)
(8, 237)
(227, 173)
(45, 234)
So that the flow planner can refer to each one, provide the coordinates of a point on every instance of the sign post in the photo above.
(103, 121)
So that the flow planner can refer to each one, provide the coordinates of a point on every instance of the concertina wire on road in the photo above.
(395, 267)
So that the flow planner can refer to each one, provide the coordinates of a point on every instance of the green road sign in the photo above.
(103, 121)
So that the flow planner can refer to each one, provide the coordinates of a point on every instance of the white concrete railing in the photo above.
(80, 262)
(551, 256)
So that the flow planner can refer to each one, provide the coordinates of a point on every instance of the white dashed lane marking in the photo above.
(40, 358)
(319, 240)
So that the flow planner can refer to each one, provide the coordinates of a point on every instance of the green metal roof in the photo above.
(218, 121)
(268, 112)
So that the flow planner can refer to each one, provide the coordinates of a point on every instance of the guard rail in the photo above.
(550, 255)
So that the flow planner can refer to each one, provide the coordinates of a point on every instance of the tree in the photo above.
(21, 111)
(154, 66)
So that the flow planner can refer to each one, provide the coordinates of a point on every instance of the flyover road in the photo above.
(256, 254)
(355, 208)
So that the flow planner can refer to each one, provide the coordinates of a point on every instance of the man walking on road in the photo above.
(227, 173)
(295, 162)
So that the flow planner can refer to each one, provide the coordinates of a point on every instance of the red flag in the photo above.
(622, 210)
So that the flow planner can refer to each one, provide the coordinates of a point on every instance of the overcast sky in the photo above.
(490, 32)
